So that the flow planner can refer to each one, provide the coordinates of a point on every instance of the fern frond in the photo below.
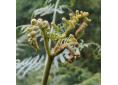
(27, 65)
(49, 9)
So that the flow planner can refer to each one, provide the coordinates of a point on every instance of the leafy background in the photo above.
(29, 66)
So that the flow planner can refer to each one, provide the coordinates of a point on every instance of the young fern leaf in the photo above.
(62, 40)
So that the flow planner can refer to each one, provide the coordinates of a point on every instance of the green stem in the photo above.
(54, 15)
(49, 58)
(49, 61)
(54, 19)
(46, 43)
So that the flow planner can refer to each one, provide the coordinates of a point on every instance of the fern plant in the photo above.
(30, 47)
(61, 38)
(58, 39)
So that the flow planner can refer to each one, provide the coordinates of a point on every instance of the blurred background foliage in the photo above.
(85, 71)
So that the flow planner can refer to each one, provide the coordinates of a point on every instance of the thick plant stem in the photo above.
(49, 61)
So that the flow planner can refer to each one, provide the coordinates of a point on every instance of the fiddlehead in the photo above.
(61, 39)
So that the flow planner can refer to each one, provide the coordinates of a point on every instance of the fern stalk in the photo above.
(54, 19)
(49, 58)
(49, 61)
(46, 44)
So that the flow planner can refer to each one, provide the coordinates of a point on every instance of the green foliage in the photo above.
(24, 10)
(66, 74)
(94, 80)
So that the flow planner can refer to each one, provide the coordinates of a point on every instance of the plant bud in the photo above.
(40, 22)
(87, 19)
(63, 19)
(81, 12)
(77, 12)
(85, 14)
(45, 24)
(33, 22)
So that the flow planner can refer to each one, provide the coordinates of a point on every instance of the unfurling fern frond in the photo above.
(22, 44)
(65, 46)
(71, 45)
